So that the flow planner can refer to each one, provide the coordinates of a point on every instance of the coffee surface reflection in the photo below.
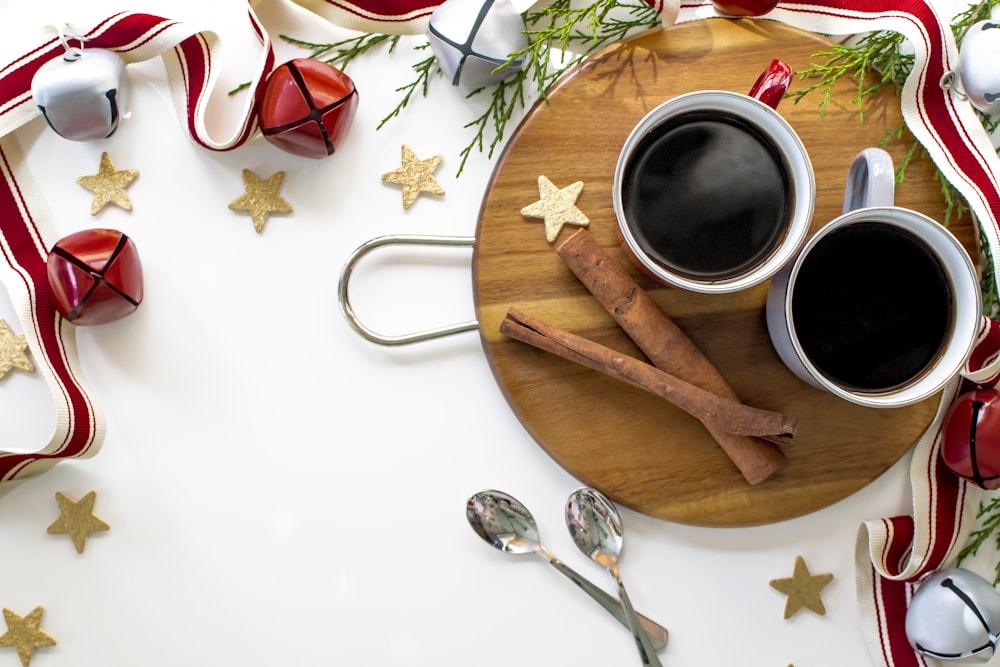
(708, 195)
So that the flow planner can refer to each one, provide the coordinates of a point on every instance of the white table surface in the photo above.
(282, 492)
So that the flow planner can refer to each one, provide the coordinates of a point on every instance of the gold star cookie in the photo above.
(557, 207)
(802, 589)
(108, 185)
(12, 352)
(24, 633)
(77, 519)
(261, 198)
(415, 175)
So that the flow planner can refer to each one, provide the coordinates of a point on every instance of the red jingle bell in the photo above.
(306, 107)
(95, 276)
(745, 7)
(970, 445)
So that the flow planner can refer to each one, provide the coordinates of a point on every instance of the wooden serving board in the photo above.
(639, 450)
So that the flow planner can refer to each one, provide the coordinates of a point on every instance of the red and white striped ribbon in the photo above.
(381, 16)
(26, 228)
(27, 234)
(892, 553)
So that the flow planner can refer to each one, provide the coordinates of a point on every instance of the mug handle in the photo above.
(871, 180)
(772, 83)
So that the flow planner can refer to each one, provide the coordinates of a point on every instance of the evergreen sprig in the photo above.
(341, 53)
(878, 53)
(424, 69)
(507, 98)
(560, 29)
(988, 531)
(559, 37)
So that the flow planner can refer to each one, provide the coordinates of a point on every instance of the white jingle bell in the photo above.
(954, 615)
(978, 66)
(471, 40)
(83, 93)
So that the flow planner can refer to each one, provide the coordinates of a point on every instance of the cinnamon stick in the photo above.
(723, 414)
(665, 344)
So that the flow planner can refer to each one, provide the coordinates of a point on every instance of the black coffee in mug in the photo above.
(707, 195)
(872, 307)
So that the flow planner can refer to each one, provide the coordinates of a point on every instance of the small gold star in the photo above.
(415, 175)
(109, 185)
(557, 207)
(802, 589)
(261, 198)
(77, 519)
(24, 633)
(12, 352)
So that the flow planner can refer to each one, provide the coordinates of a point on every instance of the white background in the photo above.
(281, 492)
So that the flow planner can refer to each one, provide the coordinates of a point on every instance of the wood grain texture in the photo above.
(636, 448)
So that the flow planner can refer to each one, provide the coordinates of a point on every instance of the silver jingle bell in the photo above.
(954, 615)
(977, 66)
(83, 94)
(470, 41)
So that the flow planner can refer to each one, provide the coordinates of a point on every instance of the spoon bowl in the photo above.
(503, 522)
(596, 528)
(506, 524)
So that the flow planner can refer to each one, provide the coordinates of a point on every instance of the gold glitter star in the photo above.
(24, 633)
(557, 207)
(77, 519)
(12, 352)
(415, 175)
(802, 589)
(109, 185)
(261, 198)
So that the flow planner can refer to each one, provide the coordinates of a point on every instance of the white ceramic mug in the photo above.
(868, 199)
(758, 112)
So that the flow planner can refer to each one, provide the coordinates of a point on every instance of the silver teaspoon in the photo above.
(596, 528)
(502, 521)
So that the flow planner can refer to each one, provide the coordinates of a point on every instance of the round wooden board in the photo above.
(639, 450)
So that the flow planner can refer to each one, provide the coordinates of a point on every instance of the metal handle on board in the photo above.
(396, 240)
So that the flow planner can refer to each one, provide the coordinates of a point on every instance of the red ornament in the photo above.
(745, 7)
(306, 107)
(95, 276)
(971, 438)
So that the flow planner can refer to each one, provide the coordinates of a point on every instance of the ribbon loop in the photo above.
(27, 231)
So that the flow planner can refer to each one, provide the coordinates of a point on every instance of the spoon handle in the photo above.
(657, 633)
(642, 640)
